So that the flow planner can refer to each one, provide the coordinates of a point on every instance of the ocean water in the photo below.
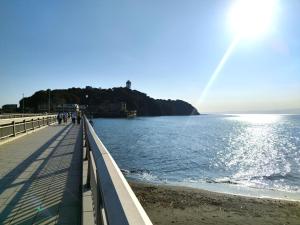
(256, 151)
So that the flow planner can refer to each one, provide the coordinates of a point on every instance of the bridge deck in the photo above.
(40, 177)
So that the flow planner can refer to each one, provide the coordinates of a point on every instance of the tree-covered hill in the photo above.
(97, 98)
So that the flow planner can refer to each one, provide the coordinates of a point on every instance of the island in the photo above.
(111, 102)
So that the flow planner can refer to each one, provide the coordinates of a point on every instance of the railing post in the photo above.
(32, 124)
(25, 130)
(88, 177)
(14, 128)
(87, 155)
(99, 215)
(86, 140)
(87, 148)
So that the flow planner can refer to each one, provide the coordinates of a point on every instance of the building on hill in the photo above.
(66, 107)
(10, 108)
(111, 109)
(128, 84)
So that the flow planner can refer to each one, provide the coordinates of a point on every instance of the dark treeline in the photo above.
(93, 97)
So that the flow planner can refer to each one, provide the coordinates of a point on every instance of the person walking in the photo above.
(78, 117)
(74, 116)
(65, 117)
(59, 117)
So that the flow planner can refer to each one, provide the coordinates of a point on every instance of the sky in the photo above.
(168, 49)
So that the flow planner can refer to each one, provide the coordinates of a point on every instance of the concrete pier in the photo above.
(46, 179)
(40, 177)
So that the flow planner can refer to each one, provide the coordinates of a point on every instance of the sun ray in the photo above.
(218, 69)
(248, 18)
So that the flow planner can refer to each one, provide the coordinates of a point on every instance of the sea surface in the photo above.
(250, 151)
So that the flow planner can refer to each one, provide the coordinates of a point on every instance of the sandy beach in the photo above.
(179, 205)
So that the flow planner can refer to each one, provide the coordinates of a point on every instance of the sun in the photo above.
(252, 18)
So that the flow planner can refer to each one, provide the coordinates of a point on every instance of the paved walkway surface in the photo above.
(40, 177)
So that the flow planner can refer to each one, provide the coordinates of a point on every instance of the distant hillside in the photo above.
(99, 100)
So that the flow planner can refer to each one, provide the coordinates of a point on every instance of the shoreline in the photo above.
(167, 204)
(228, 189)
(241, 190)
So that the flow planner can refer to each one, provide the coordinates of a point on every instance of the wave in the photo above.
(223, 180)
(259, 182)
(126, 172)
(278, 176)
(140, 174)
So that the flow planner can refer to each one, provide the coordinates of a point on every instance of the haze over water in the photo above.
(257, 151)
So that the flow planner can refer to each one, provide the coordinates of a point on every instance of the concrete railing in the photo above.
(21, 115)
(12, 128)
(114, 202)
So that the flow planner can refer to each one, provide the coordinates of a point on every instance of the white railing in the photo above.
(13, 128)
(114, 202)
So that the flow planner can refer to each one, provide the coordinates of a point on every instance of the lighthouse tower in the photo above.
(128, 84)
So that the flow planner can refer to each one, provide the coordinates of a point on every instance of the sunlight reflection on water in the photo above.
(257, 151)
(256, 118)
(261, 151)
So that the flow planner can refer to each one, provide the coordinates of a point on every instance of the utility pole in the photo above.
(86, 106)
(49, 91)
(23, 101)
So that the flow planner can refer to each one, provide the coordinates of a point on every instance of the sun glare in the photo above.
(256, 118)
(252, 18)
(248, 19)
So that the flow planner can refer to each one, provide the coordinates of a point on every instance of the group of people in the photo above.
(76, 116)
(64, 116)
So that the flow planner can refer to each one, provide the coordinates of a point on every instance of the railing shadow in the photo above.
(39, 200)
(14, 174)
(70, 208)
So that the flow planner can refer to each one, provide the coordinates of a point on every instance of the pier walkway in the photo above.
(40, 177)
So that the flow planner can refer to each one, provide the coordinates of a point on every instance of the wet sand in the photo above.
(179, 205)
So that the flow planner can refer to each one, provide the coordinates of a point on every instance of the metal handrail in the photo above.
(114, 202)
(13, 128)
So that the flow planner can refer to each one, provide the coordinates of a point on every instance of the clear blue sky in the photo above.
(168, 49)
